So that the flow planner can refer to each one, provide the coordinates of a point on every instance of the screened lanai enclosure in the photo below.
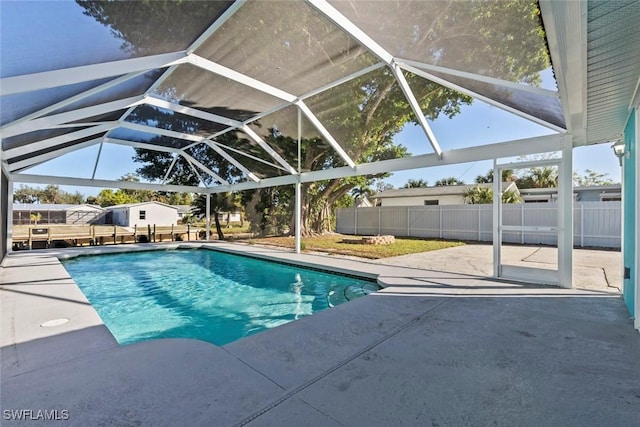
(220, 96)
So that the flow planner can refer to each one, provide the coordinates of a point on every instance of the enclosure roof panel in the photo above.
(223, 86)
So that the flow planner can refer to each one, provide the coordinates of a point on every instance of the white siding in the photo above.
(419, 200)
(155, 214)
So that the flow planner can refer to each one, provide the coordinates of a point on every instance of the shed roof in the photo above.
(54, 207)
(614, 188)
(131, 205)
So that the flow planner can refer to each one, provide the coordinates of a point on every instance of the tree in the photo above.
(589, 178)
(219, 203)
(507, 176)
(269, 209)
(361, 193)
(364, 114)
(484, 194)
(50, 194)
(511, 196)
(448, 181)
(416, 183)
(108, 197)
(35, 217)
(478, 195)
(382, 186)
(539, 177)
(25, 194)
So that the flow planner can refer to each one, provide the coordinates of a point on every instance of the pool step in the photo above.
(340, 296)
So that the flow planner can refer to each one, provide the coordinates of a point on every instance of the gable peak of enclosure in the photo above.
(218, 96)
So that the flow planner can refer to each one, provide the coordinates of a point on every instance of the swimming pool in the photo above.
(203, 294)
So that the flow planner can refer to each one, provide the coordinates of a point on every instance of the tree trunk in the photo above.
(305, 226)
(218, 228)
(323, 220)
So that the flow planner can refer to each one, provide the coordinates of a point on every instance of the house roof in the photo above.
(131, 205)
(53, 207)
(614, 188)
(440, 190)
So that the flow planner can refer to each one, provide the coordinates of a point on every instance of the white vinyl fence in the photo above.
(595, 224)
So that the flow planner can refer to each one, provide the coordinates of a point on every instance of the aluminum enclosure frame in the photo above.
(567, 42)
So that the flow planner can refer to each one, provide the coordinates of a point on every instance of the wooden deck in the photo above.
(48, 235)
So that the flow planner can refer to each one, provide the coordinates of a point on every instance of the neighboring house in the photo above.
(183, 210)
(229, 216)
(439, 195)
(595, 193)
(58, 214)
(143, 214)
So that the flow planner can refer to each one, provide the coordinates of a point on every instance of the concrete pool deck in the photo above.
(432, 348)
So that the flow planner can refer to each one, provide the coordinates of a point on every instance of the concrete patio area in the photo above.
(440, 345)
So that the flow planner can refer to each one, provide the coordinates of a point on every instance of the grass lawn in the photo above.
(333, 244)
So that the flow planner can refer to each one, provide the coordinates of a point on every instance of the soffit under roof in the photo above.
(613, 66)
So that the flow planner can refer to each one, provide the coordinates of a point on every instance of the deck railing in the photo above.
(57, 235)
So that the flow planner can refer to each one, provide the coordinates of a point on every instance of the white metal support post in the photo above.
(208, 216)
(355, 219)
(565, 215)
(497, 220)
(298, 195)
(9, 218)
(298, 209)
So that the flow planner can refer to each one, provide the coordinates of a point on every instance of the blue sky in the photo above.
(480, 124)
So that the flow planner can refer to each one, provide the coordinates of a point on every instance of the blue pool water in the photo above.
(203, 294)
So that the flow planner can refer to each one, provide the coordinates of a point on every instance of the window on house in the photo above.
(431, 202)
(143, 214)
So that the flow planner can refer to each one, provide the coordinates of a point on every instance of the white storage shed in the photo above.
(143, 214)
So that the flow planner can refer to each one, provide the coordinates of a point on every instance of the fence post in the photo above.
(188, 232)
(522, 222)
(115, 232)
(379, 215)
(172, 232)
(154, 233)
(355, 211)
(148, 233)
(479, 222)
(582, 225)
(30, 237)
